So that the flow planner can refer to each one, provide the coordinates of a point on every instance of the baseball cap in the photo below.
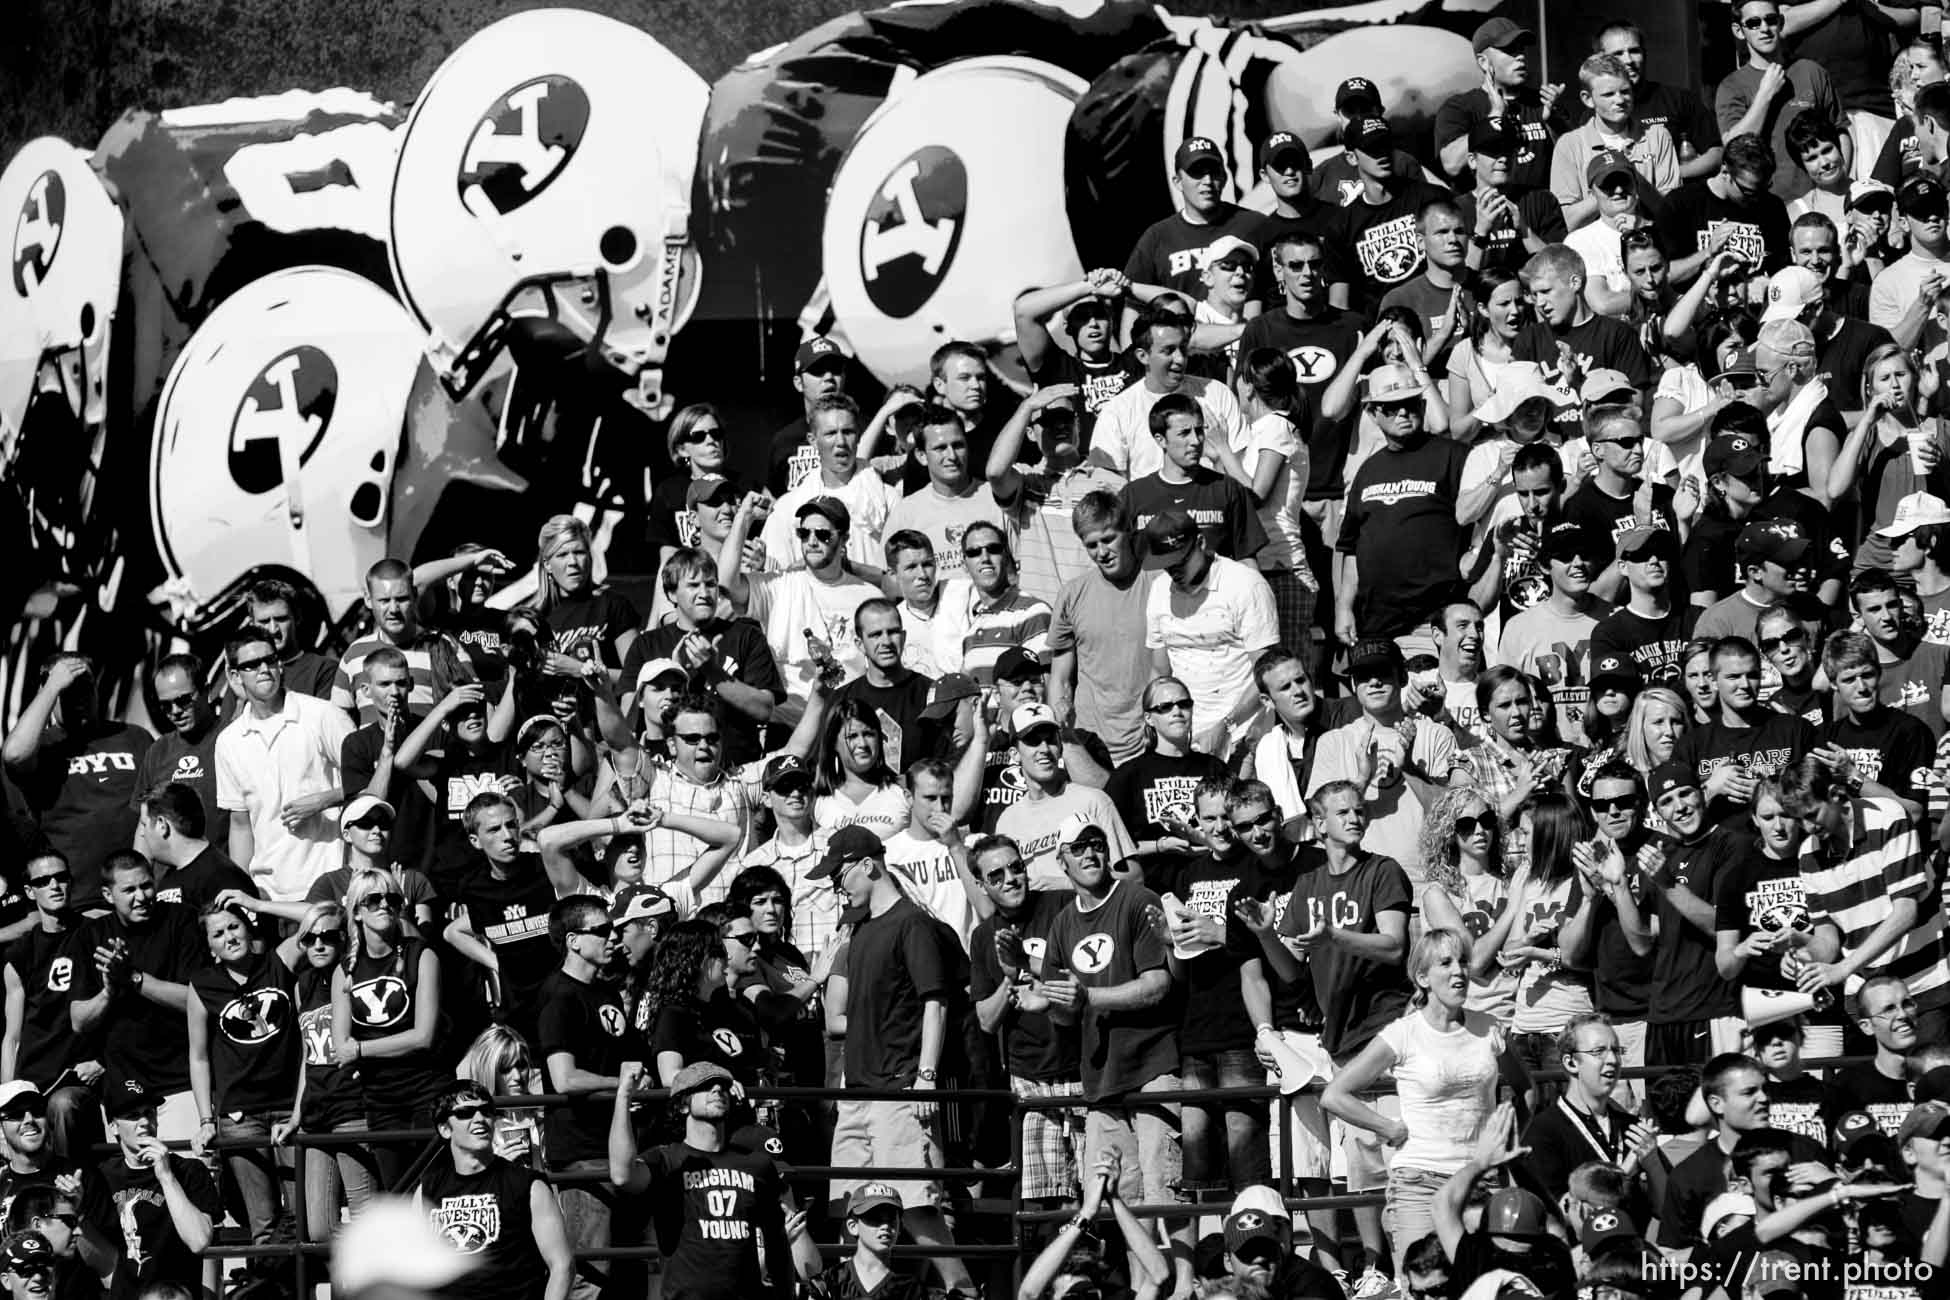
(1284, 144)
(1646, 541)
(1739, 362)
(1566, 540)
(1672, 775)
(782, 768)
(1604, 1226)
(1168, 538)
(1358, 90)
(1927, 1119)
(659, 668)
(1517, 383)
(1499, 33)
(1785, 338)
(1852, 1130)
(1915, 511)
(1736, 454)
(1371, 135)
(1375, 652)
(871, 1196)
(698, 1074)
(29, 1250)
(14, 1090)
(1607, 387)
(1077, 827)
(1197, 151)
(815, 351)
(1920, 196)
(1391, 384)
(1791, 291)
(1494, 136)
(1777, 540)
(360, 805)
(1866, 194)
(1514, 1212)
(1028, 717)
(947, 691)
(130, 1098)
(1723, 1207)
(1020, 661)
(641, 903)
(710, 490)
(849, 844)
(831, 509)
(1243, 1227)
(1616, 668)
(1230, 248)
(1606, 162)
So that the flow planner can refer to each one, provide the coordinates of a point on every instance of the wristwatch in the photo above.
(135, 981)
(925, 1076)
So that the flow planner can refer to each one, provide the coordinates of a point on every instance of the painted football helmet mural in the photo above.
(544, 183)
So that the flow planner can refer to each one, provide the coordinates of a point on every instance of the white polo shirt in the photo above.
(265, 763)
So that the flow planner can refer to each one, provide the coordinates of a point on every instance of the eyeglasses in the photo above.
(53, 878)
(1260, 822)
(1626, 444)
(1470, 825)
(815, 534)
(991, 551)
(374, 821)
(1763, 22)
(748, 938)
(1907, 1007)
(1613, 1050)
(996, 875)
(1623, 803)
(29, 1108)
(549, 747)
(699, 435)
(601, 930)
(66, 1220)
(322, 939)
(695, 738)
(1396, 409)
(1636, 239)
(263, 663)
(1170, 706)
(391, 899)
(176, 703)
(472, 1109)
(1793, 636)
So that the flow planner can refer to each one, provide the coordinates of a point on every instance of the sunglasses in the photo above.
(602, 930)
(699, 435)
(745, 938)
(391, 899)
(1470, 825)
(1763, 22)
(263, 663)
(815, 534)
(176, 703)
(322, 939)
(990, 551)
(1794, 636)
(1396, 409)
(997, 875)
(1623, 803)
(1170, 706)
(1626, 444)
(1260, 822)
(53, 878)
(68, 1221)
(372, 822)
(20, 1110)
(473, 1109)
(697, 737)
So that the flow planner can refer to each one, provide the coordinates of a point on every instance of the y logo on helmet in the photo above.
(912, 230)
(37, 231)
(289, 404)
(521, 144)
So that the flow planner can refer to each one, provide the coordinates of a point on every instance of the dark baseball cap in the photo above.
(1020, 661)
(1616, 668)
(1500, 34)
(832, 510)
(1777, 540)
(783, 768)
(1198, 151)
(1375, 652)
(1371, 135)
(1495, 137)
(130, 1098)
(817, 351)
(1285, 144)
(1564, 540)
(1358, 90)
(711, 490)
(1672, 775)
(1515, 1212)
(1921, 196)
(1734, 454)
(1607, 162)
(949, 690)
(848, 845)
(1168, 538)
(1647, 541)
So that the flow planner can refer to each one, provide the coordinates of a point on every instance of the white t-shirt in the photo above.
(943, 519)
(1122, 435)
(868, 499)
(927, 870)
(1602, 247)
(1033, 823)
(1285, 548)
(1395, 810)
(1446, 1081)
(788, 605)
(883, 812)
(1213, 634)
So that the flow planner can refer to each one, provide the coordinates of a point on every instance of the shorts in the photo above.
(1049, 1141)
(1694, 1042)
(1151, 1167)
(891, 1135)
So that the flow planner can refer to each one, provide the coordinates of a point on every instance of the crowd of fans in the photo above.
(1464, 624)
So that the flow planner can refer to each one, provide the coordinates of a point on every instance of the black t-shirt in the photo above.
(479, 631)
(1547, 1263)
(486, 1216)
(1154, 785)
(1654, 645)
(906, 735)
(511, 916)
(1318, 347)
(1503, 248)
(412, 839)
(717, 1213)
(1097, 382)
(1321, 220)
(131, 1212)
(1383, 240)
(191, 762)
(1840, 359)
(740, 655)
(1725, 1262)
(1759, 893)
(895, 963)
(791, 457)
(587, 626)
(1033, 1046)
(199, 881)
(1898, 160)
(15, 1181)
(141, 1040)
(1218, 503)
(1686, 984)
(722, 1031)
(1597, 343)
(1796, 1106)
(1524, 110)
(1684, 115)
(1621, 979)
(1401, 528)
(384, 993)
(1212, 1016)
(252, 1035)
(1693, 214)
(1357, 994)
(460, 774)
(1170, 251)
(1764, 749)
(1605, 516)
(331, 1093)
(1804, 702)
(82, 787)
(1561, 1137)
(1863, 1087)
(45, 964)
(586, 1020)
(1889, 746)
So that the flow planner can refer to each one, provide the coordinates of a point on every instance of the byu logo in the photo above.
(912, 229)
(289, 404)
(727, 1042)
(380, 1002)
(1092, 953)
(37, 232)
(255, 1016)
(522, 144)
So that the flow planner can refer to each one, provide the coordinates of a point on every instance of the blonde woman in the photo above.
(1468, 888)
(1878, 461)
(1650, 734)
(500, 1061)
(590, 623)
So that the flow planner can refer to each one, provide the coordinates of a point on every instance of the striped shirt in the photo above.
(349, 683)
(1882, 862)
(672, 853)
(970, 633)
(1048, 551)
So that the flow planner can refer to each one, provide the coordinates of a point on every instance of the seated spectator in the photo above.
(187, 752)
(162, 1207)
(1508, 91)
(1769, 91)
(468, 1190)
(1507, 222)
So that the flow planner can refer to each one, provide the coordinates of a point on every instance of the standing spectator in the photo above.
(1903, 296)
(368, 759)
(1652, 161)
(1616, 872)
(1790, 637)
(695, 440)
(1039, 501)
(1735, 1090)
(912, 568)
(169, 831)
(902, 699)
(953, 497)
(1439, 296)
(1621, 495)
(1504, 53)
(843, 476)
(1773, 560)
(1551, 641)
(278, 773)
(1514, 760)
(1889, 751)
(275, 606)
(42, 1046)
(1507, 223)
(1217, 501)
(136, 958)
(584, 1039)
(1694, 1014)
(806, 611)
(1049, 796)
(1766, 93)
(77, 774)
(1650, 628)
(1537, 934)
(902, 973)
(1400, 540)
(1206, 620)
(1693, 129)
(587, 623)
(162, 1207)
(432, 659)
(1746, 741)
(1096, 635)
(1337, 181)
(1567, 327)
(1287, 168)
(1378, 226)
(500, 1212)
(1105, 970)
(818, 371)
(1733, 211)
(930, 852)
(1123, 441)
(187, 752)
(1083, 359)
(1275, 469)
(1887, 1014)
(960, 378)
(1171, 251)
(975, 623)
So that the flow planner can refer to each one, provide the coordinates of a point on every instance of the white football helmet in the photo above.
(546, 173)
(947, 205)
(279, 432)
(58, 289)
